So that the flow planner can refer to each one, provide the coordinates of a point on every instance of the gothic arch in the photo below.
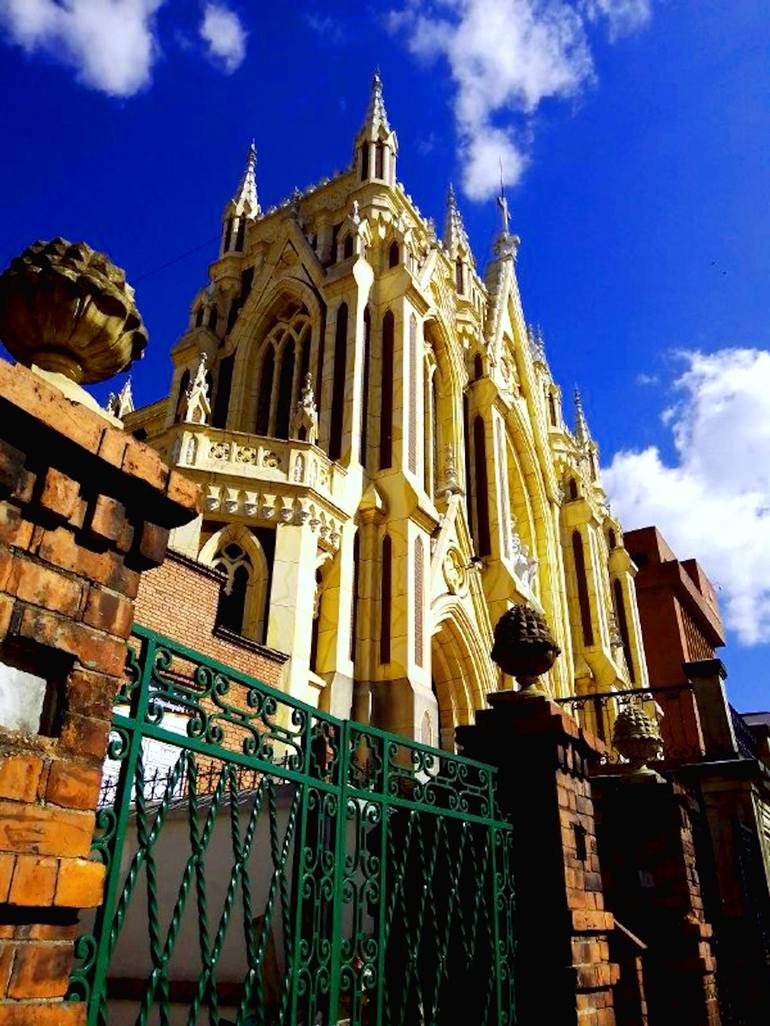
(214, 553)
(460, 670)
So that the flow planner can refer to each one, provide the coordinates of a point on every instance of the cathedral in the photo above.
(384, 458)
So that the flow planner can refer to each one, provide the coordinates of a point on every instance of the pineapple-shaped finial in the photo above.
(637, 738)
(524, 646)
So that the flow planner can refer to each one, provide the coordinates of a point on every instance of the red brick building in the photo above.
(678, 608)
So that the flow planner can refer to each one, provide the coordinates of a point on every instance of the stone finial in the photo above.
(637, 738)
(582, 434)
(376, 115)
(122, 403)
(68, 309)
(524, 647)
(455, 236)
(451, 485)
(197, 408)
(304, 422)
(246, 199)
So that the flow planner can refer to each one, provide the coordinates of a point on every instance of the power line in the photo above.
(175, 260)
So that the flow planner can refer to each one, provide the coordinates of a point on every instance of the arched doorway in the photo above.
(458, 674)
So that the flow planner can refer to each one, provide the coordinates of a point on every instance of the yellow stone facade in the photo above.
(383, 454)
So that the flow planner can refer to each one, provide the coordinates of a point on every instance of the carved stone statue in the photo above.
(304, 422)
(197, 408)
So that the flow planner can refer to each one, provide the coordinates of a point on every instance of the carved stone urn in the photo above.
(637, 738)
(524, 646)
(68, 310)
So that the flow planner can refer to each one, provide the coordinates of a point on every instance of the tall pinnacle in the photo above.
(582, 434)
(245, 198)
(455, 235)
(376, 115)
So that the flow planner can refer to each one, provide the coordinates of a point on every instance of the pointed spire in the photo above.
(455, 235)
(582, 434)
(245, 198)
(122, 403)
(536, 344)
(376, 115)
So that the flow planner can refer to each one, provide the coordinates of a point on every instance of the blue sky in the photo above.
(635, 136)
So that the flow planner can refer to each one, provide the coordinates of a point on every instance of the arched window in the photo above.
(316, 622)
(227, 235)
(265, 391)
(552, 410)
(355, 599)
(199, 316)
(243, 599)
(222, 400)
(620, 612)
(482, 488)
(429, 425)
(240, 234)
(285, 391)
(467, 448)
(385, 599)
(572, 488)
(364, 161)
(184, 384)
(478, 367)
(419, 584)
(347, 248)
(386, 393)
(338, 383)
(612, 538)
(365, 387)
(459, 276)
(584, 602)
(393, 255)
(213, 318)
(379, 160)
(411, 441)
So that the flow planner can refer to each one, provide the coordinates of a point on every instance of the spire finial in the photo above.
(246, 198)
(376, 116)
(455, 235)
(502, 202)
(582, 434)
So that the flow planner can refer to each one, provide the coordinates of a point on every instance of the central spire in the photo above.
(376, 115)
(245, 198)
(374, 154)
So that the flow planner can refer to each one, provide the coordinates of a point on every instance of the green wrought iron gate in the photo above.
(270, 864)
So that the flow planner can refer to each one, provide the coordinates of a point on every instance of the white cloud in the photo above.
(332, 29)
(111, 44)
(506, 57)
(224, 35)
(713, 502)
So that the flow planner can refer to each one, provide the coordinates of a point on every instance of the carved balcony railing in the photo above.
(673, 708)
(744, 738)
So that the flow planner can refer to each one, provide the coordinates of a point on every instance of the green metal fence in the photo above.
(270, 864)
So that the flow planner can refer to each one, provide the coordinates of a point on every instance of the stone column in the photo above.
(563, 970)
(650, 877)
(292, 596)
(84, 509)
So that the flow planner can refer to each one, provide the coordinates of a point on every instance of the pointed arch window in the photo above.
(222, 399)
(584, 602)
(228, 234)
(478, 367)
(338, 382)
(285, 391)
(459, 276)
(265, 391)
(481, 487)
(572, 488)
(347, 248)
(386, 393)
(240, 235)
(467, 453)
(393, 255)
(365, 387)
(243, 599)
(379, 159)
(364, 161)
(199, 316)
(552, 410)
(620, 612)
(385, 598)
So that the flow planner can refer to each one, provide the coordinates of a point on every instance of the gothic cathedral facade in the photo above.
(384, 458)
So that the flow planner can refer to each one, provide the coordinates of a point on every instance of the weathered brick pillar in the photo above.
(84, 508)
(651, 880)
(563, 970)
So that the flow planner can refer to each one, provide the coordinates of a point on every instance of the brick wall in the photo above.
(84, 510)
(179, 599)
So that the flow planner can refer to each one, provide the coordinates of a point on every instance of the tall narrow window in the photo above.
(482, 489)
(364, 161)
(385, 599)
(240, 234)
(213, 318)
(412, 423)
(467, 450)
(347, 249)
(379, 160)
(262, 425)
(434, 428)
(365, 387)
(572, 488)
(552, 409)
(478, 367)
(584, 602)
(228, 235)
(355, 600)
(620, 610)
(338, 384)
(459, 277)
(428, 427)
(335, 236)
(238, 569)
(386, 393)
(315, 630)
(199, 316)
(419, 585)
(393, 255)
(222, 401)
(184, 384)
(285, 388)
